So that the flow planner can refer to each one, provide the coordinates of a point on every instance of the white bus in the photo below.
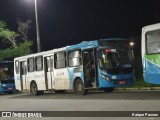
(102, 64)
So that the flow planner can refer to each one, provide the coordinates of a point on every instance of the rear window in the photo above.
(6, 81)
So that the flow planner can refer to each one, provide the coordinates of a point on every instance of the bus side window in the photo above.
(48, 64)
(60, 60)
(17, 67)
(74, 58)
(51, 62)
(30, 64)
(24, 71)
(39, 63)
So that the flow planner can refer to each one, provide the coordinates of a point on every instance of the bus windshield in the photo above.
(6, 70)
(115, 55)
(6, 81)
(115, 59)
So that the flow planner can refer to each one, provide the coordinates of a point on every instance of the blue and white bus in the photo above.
(102, 64)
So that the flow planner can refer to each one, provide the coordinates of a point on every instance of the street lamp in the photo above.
(37, 28)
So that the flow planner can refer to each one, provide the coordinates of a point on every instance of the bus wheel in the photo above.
(79, 88)
(34, 89)
(109, 89)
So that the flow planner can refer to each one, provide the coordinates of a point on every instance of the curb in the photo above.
(138, 89)
(116, 89)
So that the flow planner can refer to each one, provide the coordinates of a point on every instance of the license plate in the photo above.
(10, 88)
(122, 82)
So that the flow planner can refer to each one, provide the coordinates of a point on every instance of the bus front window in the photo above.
(119, 59)
(6, 70)
(108, 59)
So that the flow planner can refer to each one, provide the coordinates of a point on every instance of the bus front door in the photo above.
(89, 67)
(49, 72)
(23, 72)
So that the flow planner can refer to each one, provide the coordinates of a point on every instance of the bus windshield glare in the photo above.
(115, 55)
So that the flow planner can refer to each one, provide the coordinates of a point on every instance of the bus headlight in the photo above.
(105, 77)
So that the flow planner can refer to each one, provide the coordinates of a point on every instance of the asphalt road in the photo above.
(93, 95)
(93, 101)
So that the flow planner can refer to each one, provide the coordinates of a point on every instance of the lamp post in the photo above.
(37, 28)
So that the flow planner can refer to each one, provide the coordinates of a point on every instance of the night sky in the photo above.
(68, 22)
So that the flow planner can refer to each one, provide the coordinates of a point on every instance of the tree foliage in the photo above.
(22, 49)
(7, 35)
(23, 28)
(19, 42)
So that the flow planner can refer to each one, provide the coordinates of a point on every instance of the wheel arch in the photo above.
(75, 79)
(32, 81)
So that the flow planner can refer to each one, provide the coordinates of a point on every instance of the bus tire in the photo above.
(34, 89)
(109, 89)
(79, 88)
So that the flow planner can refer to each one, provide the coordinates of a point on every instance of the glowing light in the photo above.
(107, 50)
(131, 43)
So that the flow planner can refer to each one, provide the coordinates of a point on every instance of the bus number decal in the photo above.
(77, 74)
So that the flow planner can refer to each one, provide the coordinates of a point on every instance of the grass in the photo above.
(141, 83)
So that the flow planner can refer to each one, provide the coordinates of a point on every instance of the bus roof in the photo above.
(108, 39)
(82, 44)
(41, 53)
(151, 27)
(91, 43)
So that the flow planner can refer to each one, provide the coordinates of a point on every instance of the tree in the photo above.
(23, 28)
(19, 42)
(7, 35)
